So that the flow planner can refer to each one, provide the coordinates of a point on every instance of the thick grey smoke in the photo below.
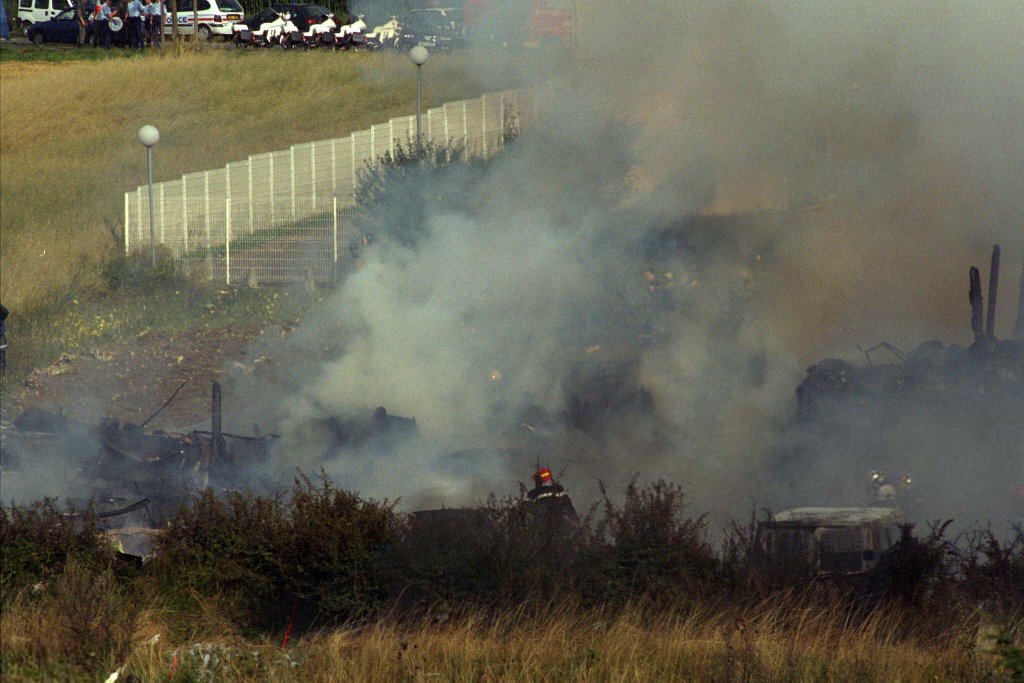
(868, 154)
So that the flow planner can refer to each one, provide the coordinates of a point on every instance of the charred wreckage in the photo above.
(137, 478)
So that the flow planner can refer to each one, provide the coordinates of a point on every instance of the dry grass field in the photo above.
(68, 150)
(772, 641)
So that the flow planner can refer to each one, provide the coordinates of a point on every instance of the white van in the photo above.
(215, 17)
(32, 11)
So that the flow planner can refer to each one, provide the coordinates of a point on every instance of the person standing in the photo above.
(135, 24)
(103, 35)
(5, 25)
(156, 21)
(3, 337)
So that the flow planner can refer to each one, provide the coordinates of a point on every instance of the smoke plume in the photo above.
(798, 178)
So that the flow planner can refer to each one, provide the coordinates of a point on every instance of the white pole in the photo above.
(184, 213)
(353, 139)
(138, 211)
(271, 159)
(162, 221)
(126, 224)
(206, 224)
(312, 169)
(483, 123)
(291, 165)
(335, 217)
(334, 167)
(251, 199)
(152, 233)
(227, 240)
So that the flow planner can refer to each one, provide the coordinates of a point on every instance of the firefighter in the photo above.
(549, 496)
(3, 337)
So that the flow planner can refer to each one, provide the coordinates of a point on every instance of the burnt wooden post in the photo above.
(993, 288)
(1018, 327)
(976, 304)
(215, 425)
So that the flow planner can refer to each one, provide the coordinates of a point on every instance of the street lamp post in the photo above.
(418, 55)
(149, 136)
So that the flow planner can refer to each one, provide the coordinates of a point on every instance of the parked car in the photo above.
(64, 29)
(433, 27)
(302, 15)
(216, 17)
(34, 11)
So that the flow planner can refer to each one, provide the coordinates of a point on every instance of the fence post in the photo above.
(373, 146)
(126, 224)
(353, 139)
(483, 124)
(335, 221)
(184, 214)
(391, 137)
(312, 170)
(251, 199)
(465, 121)
(447, 137)
(271, 160)
(161, 213)
(334, 167)
(227, 239)
(138, 209)
(206, 221)
(291, 168)
(501, 112)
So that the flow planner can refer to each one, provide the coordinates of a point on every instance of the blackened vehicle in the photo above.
(302, 15)
(63, 28)
(434, 27)
(832, 542)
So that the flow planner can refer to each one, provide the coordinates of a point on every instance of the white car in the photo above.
(215, 17)
(34, 11)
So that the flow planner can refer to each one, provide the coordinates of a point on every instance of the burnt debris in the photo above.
(986, 377)
(112, 462)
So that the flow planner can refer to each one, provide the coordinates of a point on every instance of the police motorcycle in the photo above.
(387, 34)
(266, 35)
(313, 37)
(352, 36)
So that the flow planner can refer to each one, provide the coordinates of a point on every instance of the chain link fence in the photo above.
(286, 216)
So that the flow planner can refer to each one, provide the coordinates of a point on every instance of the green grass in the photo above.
(69, 153)
(69, 148)
(20, 52)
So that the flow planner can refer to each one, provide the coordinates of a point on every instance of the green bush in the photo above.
(312, 548)
(660, 552)
(505, 553)
(496, 554)
(400, 190)
(40, 539)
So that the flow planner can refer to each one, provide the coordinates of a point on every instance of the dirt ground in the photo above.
(131, 380)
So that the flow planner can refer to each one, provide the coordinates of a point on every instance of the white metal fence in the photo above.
(285, 216)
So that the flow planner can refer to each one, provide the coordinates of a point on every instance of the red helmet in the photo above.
(542, 476)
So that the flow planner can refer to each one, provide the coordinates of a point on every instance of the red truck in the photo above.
(527, 23)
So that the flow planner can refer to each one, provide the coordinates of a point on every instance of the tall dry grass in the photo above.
(68, 150)
(778, 640)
